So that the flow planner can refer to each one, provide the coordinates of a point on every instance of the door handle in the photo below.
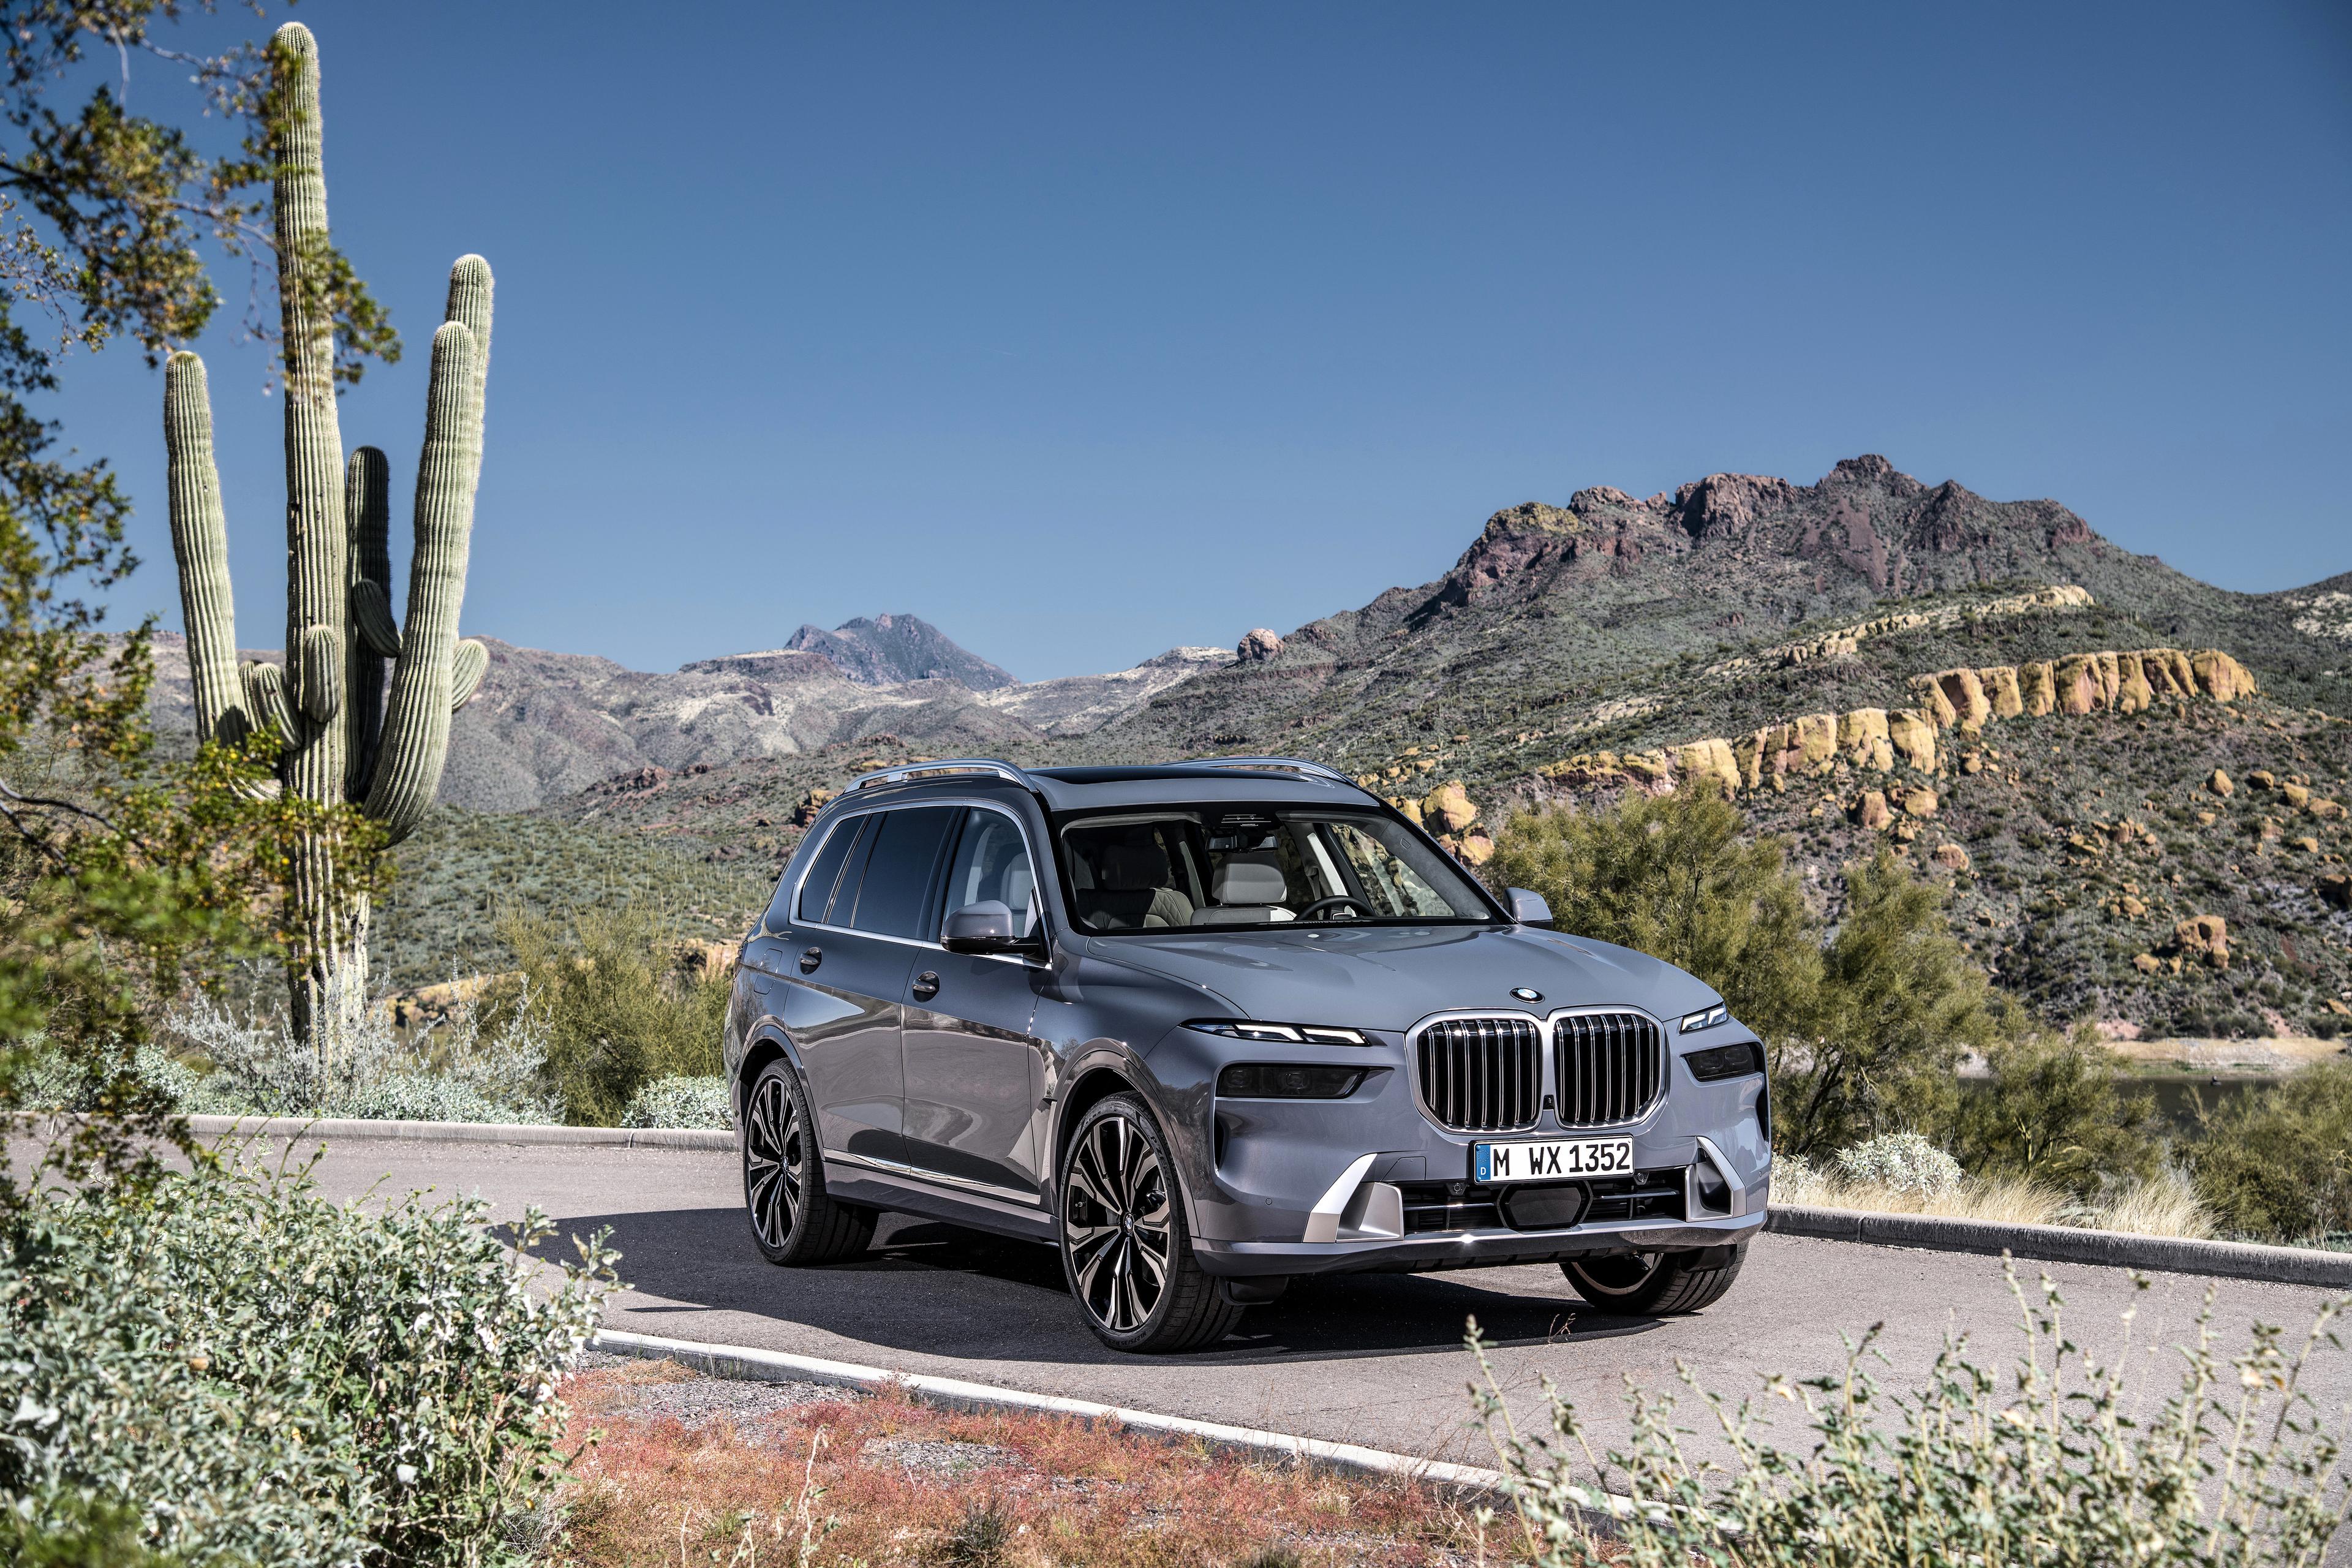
(927, 985)
(810, 958)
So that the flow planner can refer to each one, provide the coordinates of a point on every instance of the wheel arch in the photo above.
(1092, 1087)
(769, 1043)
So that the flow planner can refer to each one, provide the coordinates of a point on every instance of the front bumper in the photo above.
(1372, 1183)
(1467, 1249)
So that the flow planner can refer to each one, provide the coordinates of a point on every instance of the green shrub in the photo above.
(1904, 1162)
(2057, 1463)
(2051, 1110)
(616, 1013)
(2277, 1163)
(265, 1377)
(1675, 877)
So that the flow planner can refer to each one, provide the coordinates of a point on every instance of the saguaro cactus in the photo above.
(344, 740)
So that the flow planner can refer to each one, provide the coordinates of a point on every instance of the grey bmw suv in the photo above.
(1209, 1027)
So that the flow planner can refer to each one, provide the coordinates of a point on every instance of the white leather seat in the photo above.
(1249, 890)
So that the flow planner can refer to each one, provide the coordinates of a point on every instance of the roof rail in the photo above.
(945, 767)
(1274, 765)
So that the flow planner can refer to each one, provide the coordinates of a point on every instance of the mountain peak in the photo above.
(893, 649)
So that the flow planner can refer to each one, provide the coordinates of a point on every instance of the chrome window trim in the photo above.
(1545, 1024)
(875, 808)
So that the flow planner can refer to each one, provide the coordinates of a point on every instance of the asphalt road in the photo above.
(1370, 1359)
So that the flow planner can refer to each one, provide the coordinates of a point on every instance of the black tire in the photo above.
(793, 1221)
(1656, 1284)
(1126, 1250)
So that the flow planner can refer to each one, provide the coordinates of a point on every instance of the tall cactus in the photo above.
(350, 735)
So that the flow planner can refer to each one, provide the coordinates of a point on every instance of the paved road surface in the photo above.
(1372, 1358)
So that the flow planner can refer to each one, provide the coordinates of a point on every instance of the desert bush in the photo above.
(2276, 1164)
(616, 1013)
(1901, 1162)
(264, 1377)
(2051, 1110)
(679, 1101)
(1864, 1023)
(1675, 876)
(469, 1069)
(2052, 1465)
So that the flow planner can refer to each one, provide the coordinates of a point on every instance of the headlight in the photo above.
(1279, 1034)
(1284, 1080)
(1705, 1018)
(1726, 1061)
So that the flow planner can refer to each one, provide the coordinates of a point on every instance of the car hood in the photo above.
(1388, 977)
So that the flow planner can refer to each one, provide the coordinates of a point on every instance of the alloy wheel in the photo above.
(1116, 1222)
(775, 1159)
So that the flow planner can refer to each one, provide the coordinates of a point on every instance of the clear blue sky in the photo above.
(1086, 330)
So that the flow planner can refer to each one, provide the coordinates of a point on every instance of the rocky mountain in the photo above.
(888, 650)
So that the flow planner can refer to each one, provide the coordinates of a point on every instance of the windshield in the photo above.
(1256, 867)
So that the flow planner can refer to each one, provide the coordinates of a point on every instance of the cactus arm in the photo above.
(471, 290)
(264, 686)
(416, 720)
(200, 546)
(317, 588)
(469, 663)
(367, 509)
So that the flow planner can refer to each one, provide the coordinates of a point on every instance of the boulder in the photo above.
(1862, 741)
(2219, 677)
(1913, 735)
(2168, 672)
(2327, 810)
(1869, 809)
(1934, 703)
(2135, 695)
(1966, 694)
(2220, 784)
(2146, 962)
(1258, 646)
(2206, 937)
(2002, 691)
(1477, 849)
(1650, 769)
(1448, 808)
(2296, 796)
(1920, 803)
(1816, 738)
(706, 960)
(1951, 856)
(2262, 778)
(2336, 889)
(2076, 681)
(1748, 759)
(2036, 689)
(1709, 759)
(1412, 809)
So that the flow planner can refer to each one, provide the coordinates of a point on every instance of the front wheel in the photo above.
(1125, 1248)
(1656, 1284)
(794, 1219)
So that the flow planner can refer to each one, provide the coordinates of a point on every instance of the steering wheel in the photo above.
(1316, 909)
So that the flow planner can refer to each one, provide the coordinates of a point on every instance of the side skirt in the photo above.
(854, 1180)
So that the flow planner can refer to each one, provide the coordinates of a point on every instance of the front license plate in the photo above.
(1550, 1161)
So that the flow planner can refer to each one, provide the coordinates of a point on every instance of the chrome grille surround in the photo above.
(1609, 1065)
(1480, 1072)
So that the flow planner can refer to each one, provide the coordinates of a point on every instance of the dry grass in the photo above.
(825, 1483)
(2166, 1206)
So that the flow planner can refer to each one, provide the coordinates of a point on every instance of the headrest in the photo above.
(1131, 866)
(1249, 879)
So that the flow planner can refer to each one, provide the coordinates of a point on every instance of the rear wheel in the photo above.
(1654, 1284)
(793, 1218)
(1125, 1248)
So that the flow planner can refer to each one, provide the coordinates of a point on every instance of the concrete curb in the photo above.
(2064, 1244)
(746, 1363)
(694, 1138)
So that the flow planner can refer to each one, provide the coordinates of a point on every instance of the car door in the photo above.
(857, 944)
(975, 1072)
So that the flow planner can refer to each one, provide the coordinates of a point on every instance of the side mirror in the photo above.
(1529, 909)
(986, 927)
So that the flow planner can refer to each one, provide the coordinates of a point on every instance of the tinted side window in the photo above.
(816, 887)
(898, 872)
(991, 861)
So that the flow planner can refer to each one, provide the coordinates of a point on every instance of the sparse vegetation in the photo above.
(2278, 1163)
